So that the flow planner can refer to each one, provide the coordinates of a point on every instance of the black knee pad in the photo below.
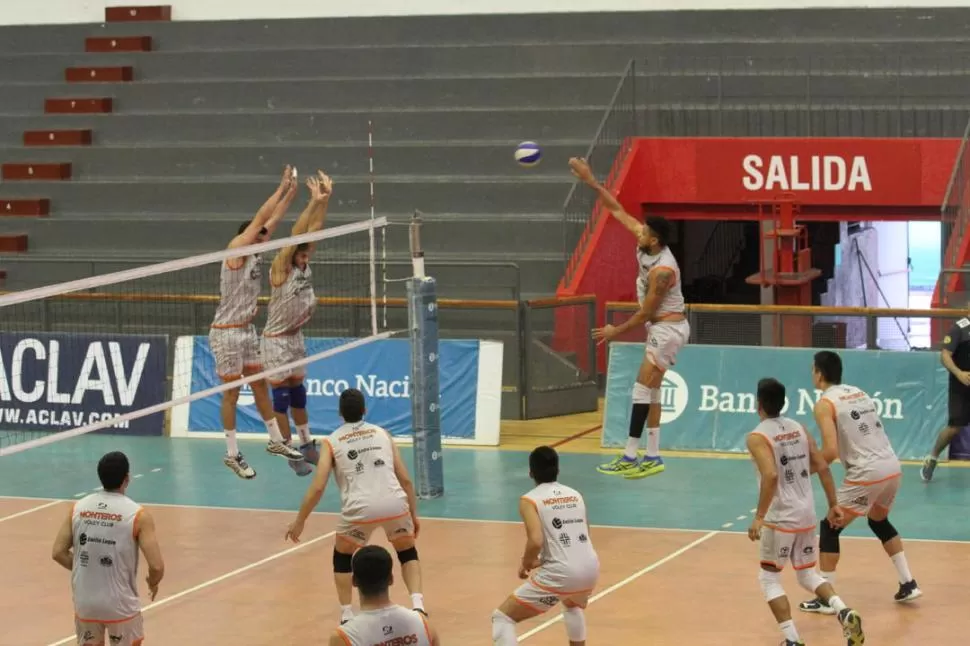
(828, 537)
(410, 554)
(343, 563)
(883, 530)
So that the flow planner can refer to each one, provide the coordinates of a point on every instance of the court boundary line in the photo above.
(219, 579)
(630, 579)
(53, 502)
(682, 530)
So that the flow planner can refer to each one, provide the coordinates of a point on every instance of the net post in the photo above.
(425, 408)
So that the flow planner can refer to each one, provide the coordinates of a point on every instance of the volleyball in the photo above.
(528, 154)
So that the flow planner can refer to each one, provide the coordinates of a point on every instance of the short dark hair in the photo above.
(771, 396)
(660, 228)
(371, 567)
(829, 365)
(352, 405)
(113, 468)
(544, 464)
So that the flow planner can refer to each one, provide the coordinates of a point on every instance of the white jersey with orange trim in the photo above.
(389, 626)
(291, 304)
(238, 293)
(105, 573)
(793, 506)
(864, 447)
(673, 301)
(568, 558)
(363, 459)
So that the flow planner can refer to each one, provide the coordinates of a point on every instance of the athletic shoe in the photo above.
(647, 467)
(239, 466)
(926, 471)
(285, 451)
(817, 606)
(301, 468)
(311, 452)
(789, 642)
(852, 627)
(619, 466)
(908, 592)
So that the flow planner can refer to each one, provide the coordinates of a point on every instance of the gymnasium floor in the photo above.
(677, 567)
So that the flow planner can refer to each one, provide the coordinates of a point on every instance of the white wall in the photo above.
(17, 12)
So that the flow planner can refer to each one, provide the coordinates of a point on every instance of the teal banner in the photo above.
(709, 395)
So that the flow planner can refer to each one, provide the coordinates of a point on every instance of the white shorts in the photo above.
(664, 341)
(236, 350)
(359, 533)
(778, 547)
(130, 632)
(859, 499)
(281, 350)
(542, 598)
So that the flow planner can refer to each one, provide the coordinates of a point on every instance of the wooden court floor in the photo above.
(676, 565)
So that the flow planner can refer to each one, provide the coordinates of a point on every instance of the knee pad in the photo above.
(883, 530)
(281, 399)
(575, 620)
(828, 537)
(298, 396)
(343, 563)
(771, 585)
(809, 579)
(641, 394)
(410, 554)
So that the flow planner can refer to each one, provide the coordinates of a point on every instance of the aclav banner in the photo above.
(709, 403)
(56, 382)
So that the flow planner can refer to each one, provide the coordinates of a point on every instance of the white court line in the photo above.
(630, 579)
(219, 579)
(31, 510)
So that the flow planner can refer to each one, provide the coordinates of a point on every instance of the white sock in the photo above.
(632, 447)
(653, 442)
(304, 431)
(836, 603)
(417, 601)
(346, 613)
(273, 428)
(788, 630)
(902, 567)
(232, 448)
(503, 630)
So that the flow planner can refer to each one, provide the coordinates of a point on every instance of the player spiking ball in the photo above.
(661, 311)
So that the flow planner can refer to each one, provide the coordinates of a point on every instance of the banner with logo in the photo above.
(709, 404)
(470, 386)
(56, 382)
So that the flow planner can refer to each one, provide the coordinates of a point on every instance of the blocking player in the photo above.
(375, 491)
(853, 431)
(559, 562)
(380, 621)
(955, 357)
(786, 457)
(232, 336)
(291, 305)
(99, 543)
(662, 311)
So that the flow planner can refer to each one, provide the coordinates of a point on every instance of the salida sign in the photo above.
(56, 382)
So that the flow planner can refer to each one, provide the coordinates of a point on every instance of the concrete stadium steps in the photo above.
(479, 158)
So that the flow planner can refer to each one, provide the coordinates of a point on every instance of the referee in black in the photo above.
(955, 357)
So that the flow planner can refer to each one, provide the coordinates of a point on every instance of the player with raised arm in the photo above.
(232, 336)
(852, 431)
(955, 357)
(375, 491)
(786, 456)
(291, 305)
(380, 621)
(99, 543)
(559, 562)
(662, 311)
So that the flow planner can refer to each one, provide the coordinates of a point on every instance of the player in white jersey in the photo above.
(852, 430)
(786, 456)
(662, 311)
(375, 491)
(291, 305)
(232, 335)
(99, 544)
(381, 622)
(559, 563)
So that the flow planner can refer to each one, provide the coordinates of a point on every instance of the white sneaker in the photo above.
(284, 450)
(239, 466)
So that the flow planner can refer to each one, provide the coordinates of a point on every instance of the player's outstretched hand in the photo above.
(288, 178)
(754, 532)
(294, 531)
(326, 184)
(604, 334)
(580, 168)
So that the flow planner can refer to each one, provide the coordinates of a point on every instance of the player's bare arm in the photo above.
(64, 542)
(764, 459)
(661, 280)
(151, 550)
(534, 538)
(821, 468)
(312, 497)
(319, 216)
(281, 208)
(946, 358)
(825, 418)
(404, 478)
(581, 169)
(265, 212)
(284, 257)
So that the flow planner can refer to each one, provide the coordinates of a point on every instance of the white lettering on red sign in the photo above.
(817, 173)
